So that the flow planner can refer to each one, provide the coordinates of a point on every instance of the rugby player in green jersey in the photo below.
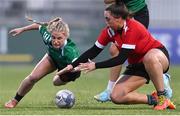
(61, 51)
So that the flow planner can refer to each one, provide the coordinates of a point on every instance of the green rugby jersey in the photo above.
(63, 56)
(135, 5)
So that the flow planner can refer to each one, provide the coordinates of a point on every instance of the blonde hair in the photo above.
(56, 24)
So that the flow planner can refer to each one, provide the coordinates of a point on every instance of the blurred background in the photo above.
(85, 19)
(18, 55)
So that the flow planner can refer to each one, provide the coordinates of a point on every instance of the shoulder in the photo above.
(70, 47)
(134, 25)
(42, 29)
(136, 30)
(70, 44)
(107, 32)
(71, 52)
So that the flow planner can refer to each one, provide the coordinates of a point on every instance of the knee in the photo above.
(150, 59)
(32, 79)
(113, 50)
(117, 97)
(57, 81)
(114, 98)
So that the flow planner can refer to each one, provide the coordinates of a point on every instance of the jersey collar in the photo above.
(65, 43)
(125, 27)
(62, 48)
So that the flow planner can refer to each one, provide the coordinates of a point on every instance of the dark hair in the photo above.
(119, 10)
(119, 2)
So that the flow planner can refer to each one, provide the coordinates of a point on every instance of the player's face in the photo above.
(58, 39)
(112, 22)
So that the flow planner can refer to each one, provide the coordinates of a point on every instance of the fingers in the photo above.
(87, 67)
(76, 69)
(83, 65)
(90, 61)
(86, 70)
(13, 32)
(62, 71)
(68, 68)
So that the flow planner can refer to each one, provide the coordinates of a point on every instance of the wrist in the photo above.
(23, 29)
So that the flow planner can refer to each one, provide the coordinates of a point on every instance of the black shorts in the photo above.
(70, 76)
(139, 68)
(67, 77)
(142, 16)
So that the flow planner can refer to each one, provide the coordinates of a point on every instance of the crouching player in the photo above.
(147, 59)
(141, 14)
(61, 52)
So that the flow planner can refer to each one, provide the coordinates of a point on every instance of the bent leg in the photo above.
(156, 63)
(124, 90)
(114, 71)
(44, 67)
(65, 78)
(57, 81)
(114, 74)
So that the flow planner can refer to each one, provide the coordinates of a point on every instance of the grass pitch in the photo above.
(40, 101)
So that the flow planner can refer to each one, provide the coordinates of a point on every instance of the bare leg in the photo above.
(57, 81)
(124, 90)
(155, 63)
(115, 71)
(114, 74)
(44, 67)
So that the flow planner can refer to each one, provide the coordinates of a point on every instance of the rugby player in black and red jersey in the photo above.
(147, 59)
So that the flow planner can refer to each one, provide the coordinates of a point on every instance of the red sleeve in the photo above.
(103, 38)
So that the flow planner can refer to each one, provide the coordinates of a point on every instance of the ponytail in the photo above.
(119, 2)
(56, 24)
(34, 21)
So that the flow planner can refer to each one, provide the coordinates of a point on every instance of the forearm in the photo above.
(33, 26)
(120, 59)
(89, 54)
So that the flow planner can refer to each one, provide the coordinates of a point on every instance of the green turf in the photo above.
(40, 100)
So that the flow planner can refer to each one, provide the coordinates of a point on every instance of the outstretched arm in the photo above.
(89, 54)
(120, 59)
(18, 31)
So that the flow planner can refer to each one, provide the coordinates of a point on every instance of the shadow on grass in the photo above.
(75, 108)
(84, 107)
(110, 108)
